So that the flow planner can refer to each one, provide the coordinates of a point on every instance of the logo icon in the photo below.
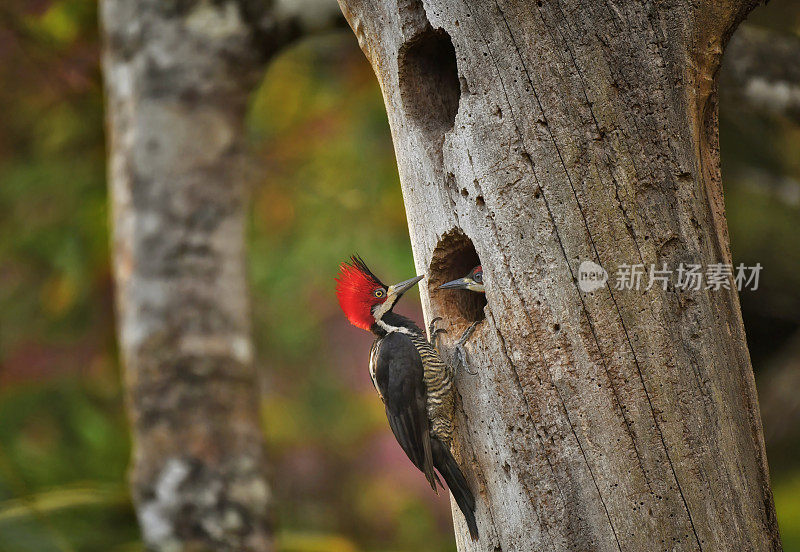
(591, 276)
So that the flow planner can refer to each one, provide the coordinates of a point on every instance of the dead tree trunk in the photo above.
(533, 136)
(178, 74)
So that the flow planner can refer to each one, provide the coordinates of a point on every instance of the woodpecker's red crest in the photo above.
(364, 299)
(359, 290)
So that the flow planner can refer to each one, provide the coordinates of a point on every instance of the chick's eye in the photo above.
(479, 277)
(379, 293)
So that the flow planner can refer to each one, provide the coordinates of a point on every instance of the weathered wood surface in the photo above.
(550, 133)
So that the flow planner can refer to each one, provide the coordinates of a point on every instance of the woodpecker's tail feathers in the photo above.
(448, 467)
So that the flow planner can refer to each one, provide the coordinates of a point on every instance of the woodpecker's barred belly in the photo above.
(439, 387)
(438, 377)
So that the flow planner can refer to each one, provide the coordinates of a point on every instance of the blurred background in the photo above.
(320, 139)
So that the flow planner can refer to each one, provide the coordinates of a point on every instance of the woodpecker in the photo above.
(472, 281)
(414, 383)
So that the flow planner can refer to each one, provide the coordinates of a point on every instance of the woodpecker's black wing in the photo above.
(399, 378)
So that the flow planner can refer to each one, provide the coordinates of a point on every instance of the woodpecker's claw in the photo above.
(433, 331)
(432, 327)
(460, 354)
(467, 333)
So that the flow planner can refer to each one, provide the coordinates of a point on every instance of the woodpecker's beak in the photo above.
(399, 289)
(461, 283)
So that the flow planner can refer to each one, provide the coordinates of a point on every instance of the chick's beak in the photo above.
(402, 287)
(461, 283)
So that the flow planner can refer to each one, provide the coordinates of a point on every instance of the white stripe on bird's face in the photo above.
(474, 286)
(382, 308)
(393, 293)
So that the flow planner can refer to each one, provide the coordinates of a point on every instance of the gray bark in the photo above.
(177, 78)
(178, 75)
(532, 137)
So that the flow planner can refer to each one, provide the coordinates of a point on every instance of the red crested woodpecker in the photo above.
(473, 282)
(414, 383)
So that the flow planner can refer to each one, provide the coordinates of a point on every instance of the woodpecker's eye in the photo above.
(379, 293)
(478, 277)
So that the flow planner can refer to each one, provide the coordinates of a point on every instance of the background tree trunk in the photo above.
(535, 136)
(178, 75)
(762, 71)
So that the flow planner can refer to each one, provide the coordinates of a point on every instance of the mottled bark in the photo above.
(178, 74)
(761, 72)
(532, 136)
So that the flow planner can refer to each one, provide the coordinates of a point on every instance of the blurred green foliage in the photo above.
(325, 186)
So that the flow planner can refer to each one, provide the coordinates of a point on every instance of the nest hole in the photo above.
(429, 86)
(453, 258)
